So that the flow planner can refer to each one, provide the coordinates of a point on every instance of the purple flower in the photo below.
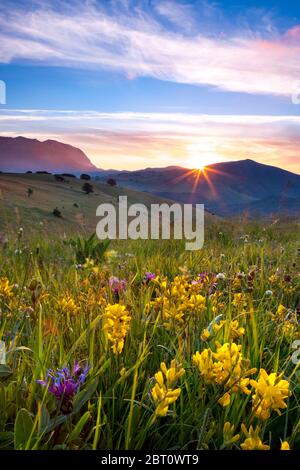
(63, 384)
(117, 285)
(149, 276)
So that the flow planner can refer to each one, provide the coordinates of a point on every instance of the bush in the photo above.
(59, 178)
(84, 176)
(111, 182)
(87, 188)
(57, 212)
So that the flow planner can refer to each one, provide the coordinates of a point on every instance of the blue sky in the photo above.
(138, 83)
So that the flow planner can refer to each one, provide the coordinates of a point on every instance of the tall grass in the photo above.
(114, 408)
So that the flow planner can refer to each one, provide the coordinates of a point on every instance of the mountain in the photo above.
(20, 154)
(227, 189)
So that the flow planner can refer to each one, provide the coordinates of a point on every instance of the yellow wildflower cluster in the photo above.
(235, 330)
(253, 441)
(67, 305)
(5, 288)
(163, 392)
(116, 324)
(226, 367)
(177, 301)
(239, 301)
(217, 302)
(228, 434)
(270, 394)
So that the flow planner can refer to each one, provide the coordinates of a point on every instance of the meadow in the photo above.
(143, 345)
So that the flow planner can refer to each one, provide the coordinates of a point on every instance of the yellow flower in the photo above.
(205, 335)
(236, 331)
(162, 393)
(5, 288)
(67, 304)
(253, 441)
(239, 300)
(197, 302)
(116, 324)
(285, 446)
(270, 394)
(281, 311)
(228, 434)
(226, 367)
(225, 399)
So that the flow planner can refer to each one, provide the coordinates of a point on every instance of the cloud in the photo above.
(137, 140)
(134, 42)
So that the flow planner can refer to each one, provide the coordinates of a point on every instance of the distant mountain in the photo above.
(20, 154)
(228, 188)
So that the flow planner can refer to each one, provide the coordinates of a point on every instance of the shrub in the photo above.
(87, 188)
(111, 182)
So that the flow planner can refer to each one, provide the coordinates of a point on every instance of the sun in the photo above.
(200, 167)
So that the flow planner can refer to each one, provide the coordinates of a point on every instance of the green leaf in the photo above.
(79, 426)
(23, 428)
(85, 395)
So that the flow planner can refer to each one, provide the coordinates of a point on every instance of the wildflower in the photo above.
(236, 331)
(116, 325)
(228, 434)
(149, 276)
(239, 300)
(226, 368)
(270, 394)
(285, 446)
(117, 285)
(163, 393)
(63, 384)
(269, 293)
(5, 288)
(221, 276)
(253, 441)
(281, 311)
(67, 305)
(197, 302)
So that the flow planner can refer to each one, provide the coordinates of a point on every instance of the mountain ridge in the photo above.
(21, 154)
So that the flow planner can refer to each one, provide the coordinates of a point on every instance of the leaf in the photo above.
(85, 395)
(5, 371)
(23, 428)
(79, 426)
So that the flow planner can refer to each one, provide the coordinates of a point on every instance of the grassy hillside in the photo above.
(78, 209)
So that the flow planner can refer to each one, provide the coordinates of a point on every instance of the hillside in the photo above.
(20, 154)
(227, 189)
(78, 209)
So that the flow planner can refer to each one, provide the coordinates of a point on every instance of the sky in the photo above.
(151, 83)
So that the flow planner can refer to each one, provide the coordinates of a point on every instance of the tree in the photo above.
(29, 192)
(57, 212)
(111, 182)
(83, 176)
(87, 188)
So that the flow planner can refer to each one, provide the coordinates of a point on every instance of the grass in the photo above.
(77, 208)
(53, 314)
